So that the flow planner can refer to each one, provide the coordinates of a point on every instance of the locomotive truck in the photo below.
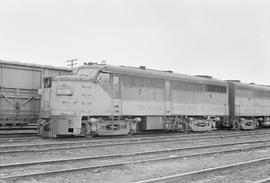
(100, 99)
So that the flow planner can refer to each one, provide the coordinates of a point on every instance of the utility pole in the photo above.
(71, 62)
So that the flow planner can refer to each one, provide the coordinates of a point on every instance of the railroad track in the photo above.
(104, 138)
(119, 159)
(136, 153)
(93, 144)
(263, 180)
(17, 131)
(203, 136)
(135, 138)
(119, 138)
(18, 137)
(183, 176)
(21, 138)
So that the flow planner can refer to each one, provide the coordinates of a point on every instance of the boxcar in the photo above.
(111, 100)
(19, 98)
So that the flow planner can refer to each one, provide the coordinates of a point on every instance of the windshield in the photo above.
(87, 72)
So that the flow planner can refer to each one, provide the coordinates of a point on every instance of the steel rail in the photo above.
(95, 145)
(4, 138)
(89, 138)
(129, 154)
(113, 165)
(75, 141)
(204, 171)
(129, 140)
(263, 180)
(138, 136)
(16, 139)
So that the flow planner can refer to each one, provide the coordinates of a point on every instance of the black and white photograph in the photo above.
(134, 91)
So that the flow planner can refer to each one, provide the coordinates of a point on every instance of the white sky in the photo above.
(228, 39)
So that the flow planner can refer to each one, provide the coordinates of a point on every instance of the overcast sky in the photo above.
(228, 39)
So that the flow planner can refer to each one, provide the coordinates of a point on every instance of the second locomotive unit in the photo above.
(113, 100)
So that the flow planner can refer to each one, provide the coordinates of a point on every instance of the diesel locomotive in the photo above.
(100, 99)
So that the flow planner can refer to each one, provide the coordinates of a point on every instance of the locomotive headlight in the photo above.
(64, 91)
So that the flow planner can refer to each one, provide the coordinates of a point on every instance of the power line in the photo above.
(71, 62)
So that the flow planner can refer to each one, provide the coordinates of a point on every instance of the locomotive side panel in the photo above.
(86, 98)
(101, 101)
(185, 97)
(251, 107)
(252, 101)
(215, 103)
(142, 96)
(262, 103)
(244, 101)
(69, 102)
(197, 100)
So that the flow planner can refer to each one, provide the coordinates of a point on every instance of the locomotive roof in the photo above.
(153, 73)
(15, 63)
(251, 86)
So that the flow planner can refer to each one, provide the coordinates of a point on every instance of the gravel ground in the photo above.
(136, 172)
(247, 174)
(73, 164)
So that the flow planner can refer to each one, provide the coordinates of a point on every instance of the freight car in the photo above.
(19, 99)
(110, 100)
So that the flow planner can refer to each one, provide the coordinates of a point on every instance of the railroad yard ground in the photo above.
(218, 156)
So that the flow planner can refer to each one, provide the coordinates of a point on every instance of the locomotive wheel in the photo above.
(84, 129)
(219, 125)
(45, 130)
(185, 127)
(237, 125)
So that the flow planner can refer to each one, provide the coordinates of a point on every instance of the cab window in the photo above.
(47, 82)
(104, 78)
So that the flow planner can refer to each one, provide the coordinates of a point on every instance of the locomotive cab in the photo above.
(64, 100)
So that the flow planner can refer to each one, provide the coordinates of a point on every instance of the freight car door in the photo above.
(116, 95)
(168, 104)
